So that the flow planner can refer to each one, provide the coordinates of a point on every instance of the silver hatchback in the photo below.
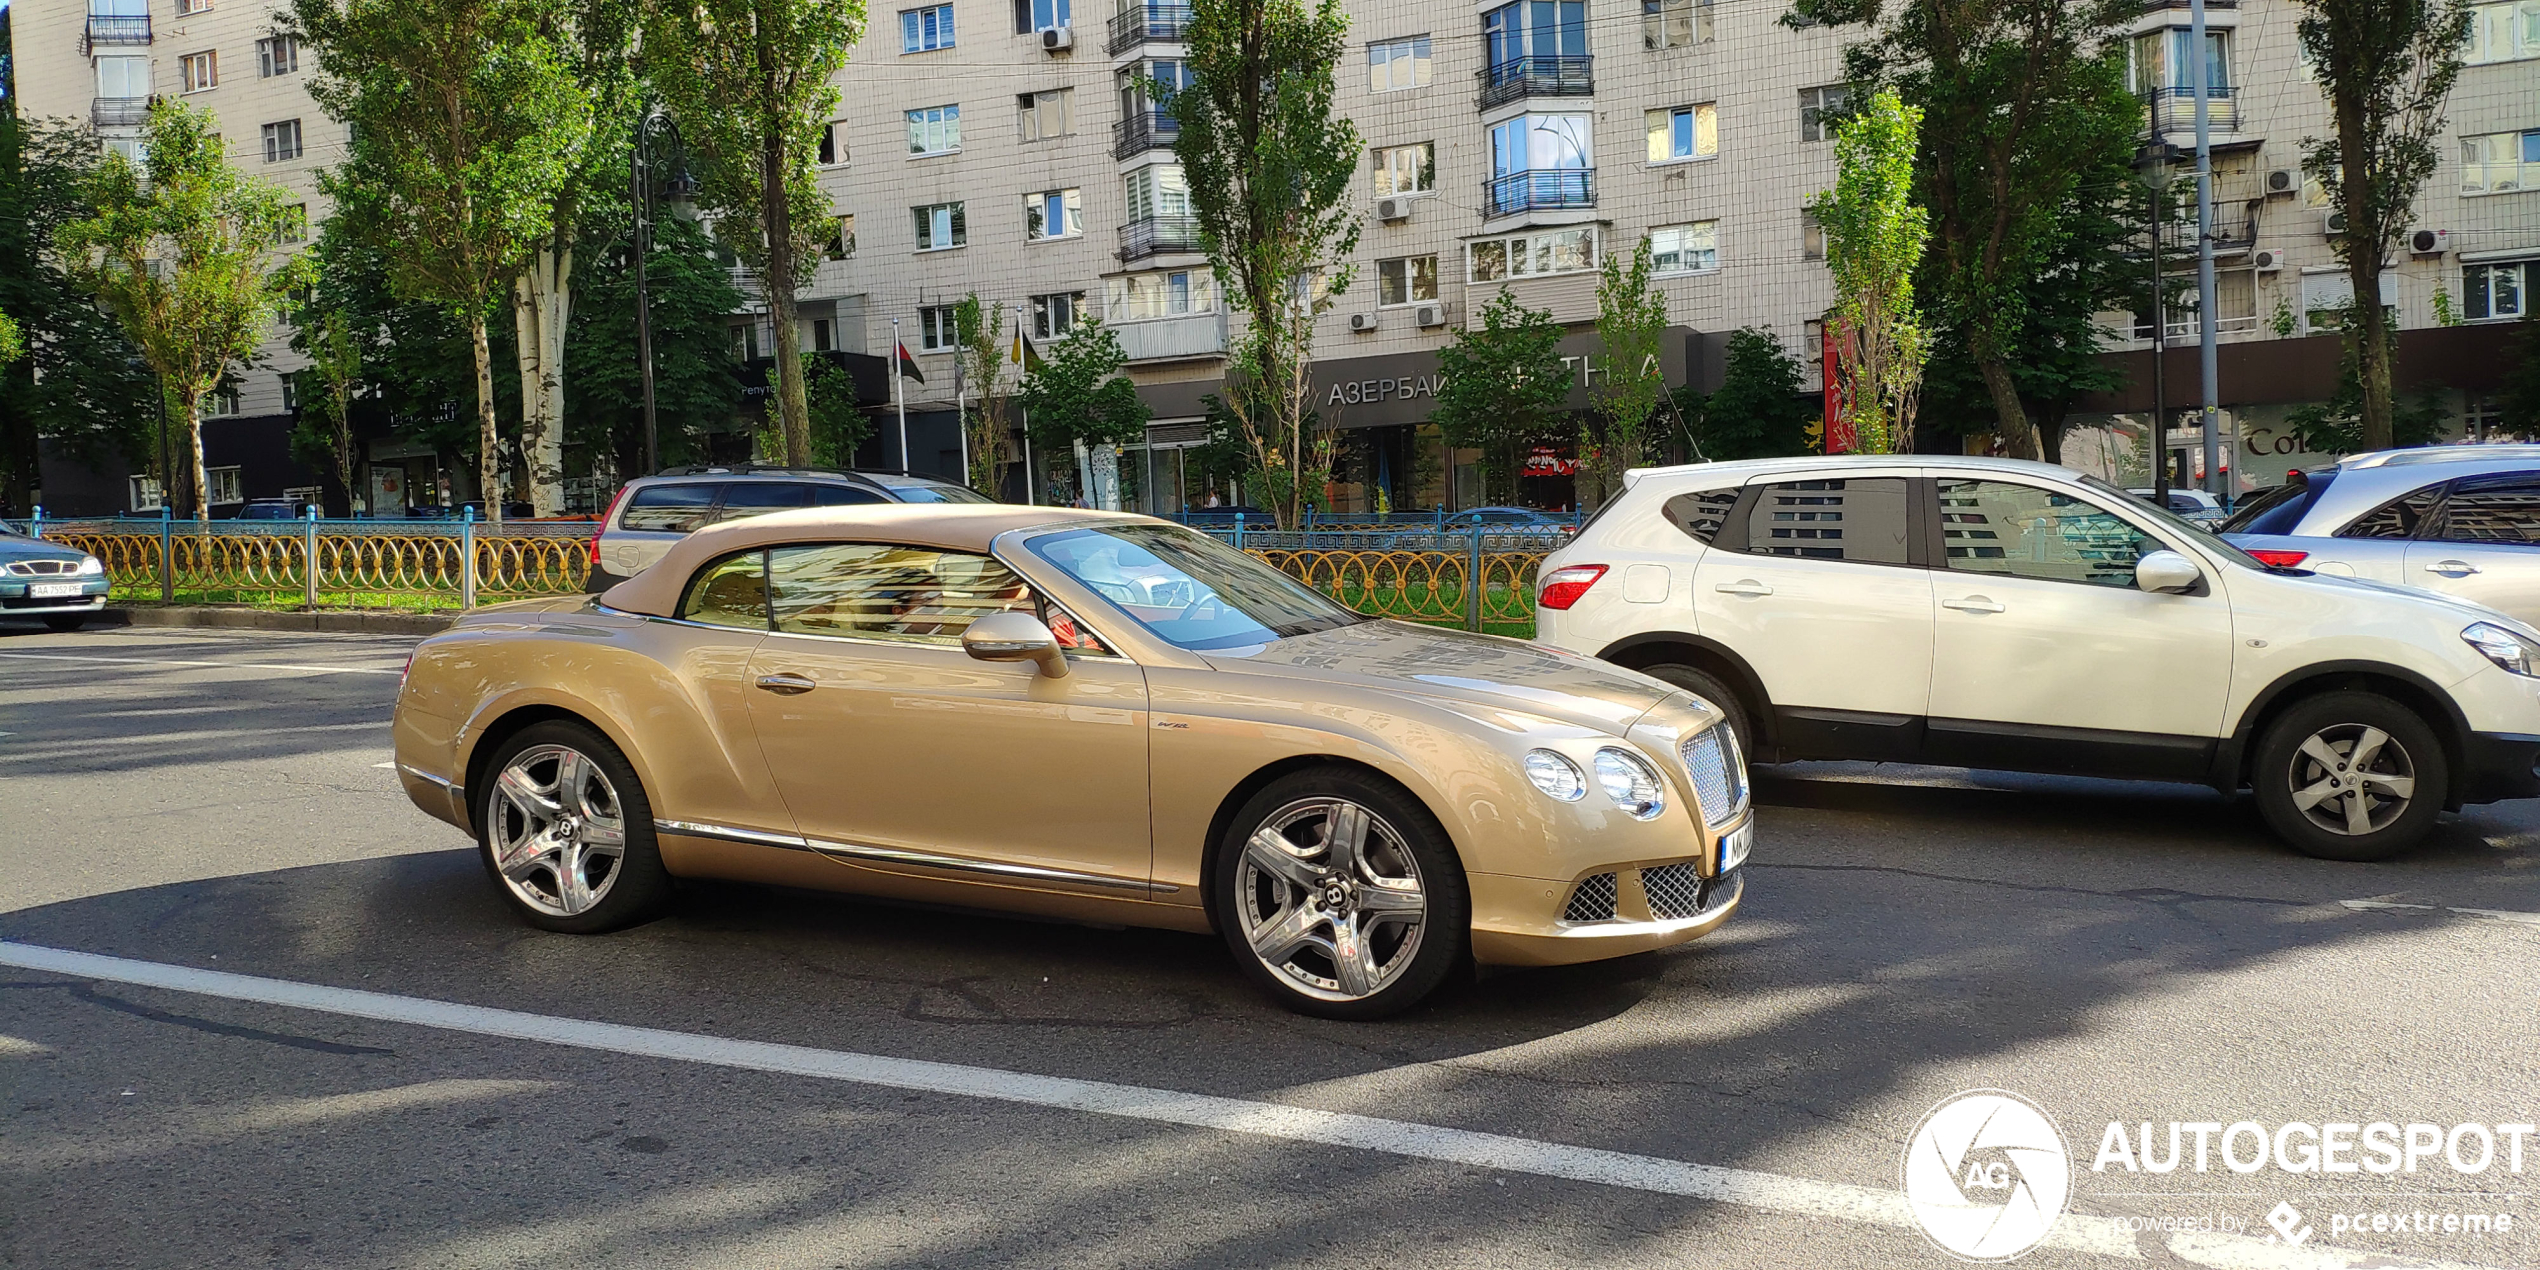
(2460, 519)
(653, 512)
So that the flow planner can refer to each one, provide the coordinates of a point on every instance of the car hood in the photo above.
(1475, 670)
(2431, 602)
(13, 547)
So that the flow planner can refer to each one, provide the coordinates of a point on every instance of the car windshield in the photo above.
(2202, 535)
(909, 491)
(1189, 589)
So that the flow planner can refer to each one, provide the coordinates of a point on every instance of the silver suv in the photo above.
(652, 512)
(2460, 519)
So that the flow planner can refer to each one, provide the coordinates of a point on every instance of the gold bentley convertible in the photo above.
(1085, 715)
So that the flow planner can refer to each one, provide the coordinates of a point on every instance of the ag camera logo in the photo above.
(1987, 1174)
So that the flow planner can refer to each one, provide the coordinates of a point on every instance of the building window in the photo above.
(222, 483)
(1812, 236)
(1394, 65)
(282, 141)
(1542, 143)
(940, 226)
(2500, 162)
(1687, 248)
(2158, 62)
(146, 495)
(1535, 28)
(2503, 32)
(1684, 132)
(1406, 169)
(1040, 15)
(925, 30)
(1047, 114)
(1139, 296)
(295, 224)
(745, 342)
(200, 71)
(1818, 107)
(1053, 214)
(277, 55)
(1543, 252)
(1406, 280)
(833, 144)
(123, 78)
(2497, 291)
(823, 335)
(221, 403)
(1054, 315)
(934, 130)
(1668, 24)
(290, 391)
(185, 8)
(1157, 192)
(841, 245)
(938, 329)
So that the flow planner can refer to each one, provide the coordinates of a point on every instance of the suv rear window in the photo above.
(2280, 509)
(1699, 513)
(676, 508)
(744, 499)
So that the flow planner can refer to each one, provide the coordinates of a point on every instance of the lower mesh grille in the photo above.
(1593, 901)
(1675, 891)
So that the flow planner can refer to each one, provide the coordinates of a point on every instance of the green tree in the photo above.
(466, 121)
(331, 339)
(1504, 388)
(838, 424)
(2386, 67)
(1631, 318)
(1874, 239)
(1077, 395)
(2336, 426)
(1270, 166)
(748, 81)
(979, 336)
(1761, 409)
(690, 294)
(12, 340)
(2521, 396)
(183, 253)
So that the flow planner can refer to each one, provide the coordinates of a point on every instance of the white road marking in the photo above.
(216, 665)
(2496, 914)
(1752, 1189)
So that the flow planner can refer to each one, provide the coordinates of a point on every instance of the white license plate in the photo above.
(1733, 849)
(53, 590)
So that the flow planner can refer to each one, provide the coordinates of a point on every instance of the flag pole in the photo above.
(1030, 495)
(899, 396)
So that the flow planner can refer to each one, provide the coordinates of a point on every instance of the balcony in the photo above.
(1535, 191)
(1145, 130)
(2173, 110)
(118, 112)
(1146, 23)
(1158, 236)
(114, 29)
(1536, 77)
(1167, 339)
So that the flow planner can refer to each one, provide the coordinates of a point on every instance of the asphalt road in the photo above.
(217, 801)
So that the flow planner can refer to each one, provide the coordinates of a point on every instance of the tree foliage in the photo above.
(2521, 395)
(1631, 318)
(1761, 409)
(1078, 395)
(1504, 389)
(2336, 426)
(1874, 240)
(331, 338)
(2386, 68)
(691, 295)
(1270, 167)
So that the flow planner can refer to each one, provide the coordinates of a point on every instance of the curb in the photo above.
(337, 622)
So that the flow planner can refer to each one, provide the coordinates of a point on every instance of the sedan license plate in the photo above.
(1733, 848)
(53, 590)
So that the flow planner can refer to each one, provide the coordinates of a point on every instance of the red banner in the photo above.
(1840, 437)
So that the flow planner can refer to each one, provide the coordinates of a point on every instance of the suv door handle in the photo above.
(1972, 604)
(2452, 568)
(1743, 586)
(788, 684)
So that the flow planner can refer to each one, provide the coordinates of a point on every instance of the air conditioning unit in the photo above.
(1393, 209)
(1361, 323)
(2267, 259)
(1058, 39)
(2284, 181)
(1430, 316)
(2429, 242)
(2333, 224)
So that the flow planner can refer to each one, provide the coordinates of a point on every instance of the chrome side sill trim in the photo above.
(726, 833)
(920, 859)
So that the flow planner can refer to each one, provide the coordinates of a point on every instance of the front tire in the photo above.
(2350, 776)
(65, 622)
(1340, 896)
(566, 831)
(1709, 687)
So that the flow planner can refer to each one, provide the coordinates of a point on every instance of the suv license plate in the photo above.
(53, 590)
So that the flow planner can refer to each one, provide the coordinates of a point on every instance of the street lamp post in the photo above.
(2200, 67)
(655, 119)
(2157, 175)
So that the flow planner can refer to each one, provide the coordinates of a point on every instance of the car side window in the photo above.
(744, 499)
(1701, 512)
(2506, 512)
(844, 496)
(2398, 518)
(731, 591)
(878, 591)
(1855, 518)
(2023, 531)
(677, 508)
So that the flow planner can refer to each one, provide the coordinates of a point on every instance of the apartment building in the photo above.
(1014, 148)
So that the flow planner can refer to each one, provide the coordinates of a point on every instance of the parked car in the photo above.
(62, 586)
(2460, 519)
(1508, 520)
(1086, 715)
(651, 513)
(1991, 613)
(2194, 506)
(274, 509)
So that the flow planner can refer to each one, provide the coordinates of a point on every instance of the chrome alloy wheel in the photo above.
(558, 833)
(1330, 899)
(2352, 779)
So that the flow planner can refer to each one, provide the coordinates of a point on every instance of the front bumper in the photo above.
(17, 600)
(2496, 766)
(1551, 941)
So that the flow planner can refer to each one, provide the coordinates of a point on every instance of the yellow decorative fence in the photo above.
(1420, 585)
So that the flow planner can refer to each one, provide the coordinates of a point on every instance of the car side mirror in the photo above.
(1014, 636)
(2166, 571)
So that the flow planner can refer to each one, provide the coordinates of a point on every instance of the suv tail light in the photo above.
(605, 518)
(2276, 558)
(1563, 587)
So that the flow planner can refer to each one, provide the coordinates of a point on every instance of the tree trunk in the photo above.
(793, 410)
(542, 302)
(488, 443)
(2010, 417)
(194, 460)
(2369, 333)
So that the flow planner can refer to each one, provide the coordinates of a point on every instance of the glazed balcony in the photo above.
(1144, 130)
(1537, 191)
(1146, 24)
(1158, 236)
(1536, 77)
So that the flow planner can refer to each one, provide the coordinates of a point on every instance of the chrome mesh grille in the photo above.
(1719, 775)
(1593, 901)
(1675, 891)
(40, 568)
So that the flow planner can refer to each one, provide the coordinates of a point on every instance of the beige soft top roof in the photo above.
(948, 526)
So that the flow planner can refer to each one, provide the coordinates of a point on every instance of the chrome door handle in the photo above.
(1745, 586)
(786, 684)
(1972, 604)
(2452, 568)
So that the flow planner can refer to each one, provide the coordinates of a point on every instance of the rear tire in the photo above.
(65, 622)
(2324, 803)
(1709, 687)
(566, 832)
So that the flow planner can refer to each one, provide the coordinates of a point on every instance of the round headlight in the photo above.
(1631, 782)
(1556, 776)
(91, 565)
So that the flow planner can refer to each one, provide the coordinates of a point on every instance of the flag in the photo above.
(1023, 354)
(908, 366)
